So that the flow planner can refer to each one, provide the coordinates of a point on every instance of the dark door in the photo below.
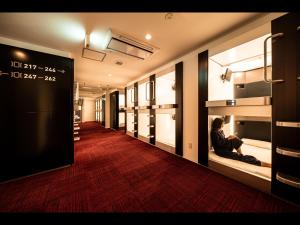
(103, 111)
(114, 110)
(285, 108)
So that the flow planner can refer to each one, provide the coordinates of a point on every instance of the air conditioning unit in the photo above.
(128, 45)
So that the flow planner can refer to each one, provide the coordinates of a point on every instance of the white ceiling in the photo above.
(66, 32)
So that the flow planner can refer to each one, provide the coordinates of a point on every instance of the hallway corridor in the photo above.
(116, 173)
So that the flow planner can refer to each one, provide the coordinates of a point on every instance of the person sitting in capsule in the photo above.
(224, 146)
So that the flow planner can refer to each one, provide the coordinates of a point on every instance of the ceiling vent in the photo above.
(129, 46)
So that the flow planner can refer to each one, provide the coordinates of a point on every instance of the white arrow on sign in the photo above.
(62, 71)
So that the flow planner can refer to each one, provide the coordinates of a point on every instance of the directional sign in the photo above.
(36, 111)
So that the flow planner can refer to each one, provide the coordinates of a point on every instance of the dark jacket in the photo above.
(219, 142)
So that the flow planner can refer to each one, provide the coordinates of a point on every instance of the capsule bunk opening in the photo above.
(130, 115)
(237, 91)
(165, 128)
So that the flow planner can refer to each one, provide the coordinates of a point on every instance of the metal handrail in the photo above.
(288, 151)
(265, 59)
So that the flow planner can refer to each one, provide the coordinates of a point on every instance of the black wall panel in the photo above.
(152, 111)
(285, 104)
(179, 109)
(114, 110)
(103, 110)
(125, 109)
(136, 111)
(203, 111)
(36, 112)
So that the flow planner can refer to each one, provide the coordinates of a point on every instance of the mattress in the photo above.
(259, 149)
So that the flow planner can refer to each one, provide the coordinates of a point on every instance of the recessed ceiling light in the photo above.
(148, 36)
(119, 63)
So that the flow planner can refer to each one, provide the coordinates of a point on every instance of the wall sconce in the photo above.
(174, 86)
(227, 119)
(227, 75)
(173, 116)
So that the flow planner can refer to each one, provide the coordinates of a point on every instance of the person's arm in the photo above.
(231, 137)
(218, 140)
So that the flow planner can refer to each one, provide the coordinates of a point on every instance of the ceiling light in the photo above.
(148, 36)
(99, 39)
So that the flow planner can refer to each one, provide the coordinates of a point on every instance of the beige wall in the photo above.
(88, 109)
(190, 108)
(31, 46)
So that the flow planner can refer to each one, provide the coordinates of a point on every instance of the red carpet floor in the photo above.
(116, 173)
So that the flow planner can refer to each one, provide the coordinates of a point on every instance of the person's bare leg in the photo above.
(265, 164)
(239, 151)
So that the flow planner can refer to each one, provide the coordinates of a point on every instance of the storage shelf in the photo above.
(253, 118)
(144, 107)
(129, 108)
(165, 106)
(254, 101)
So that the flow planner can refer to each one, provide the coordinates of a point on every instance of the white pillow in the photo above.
(257, 143)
